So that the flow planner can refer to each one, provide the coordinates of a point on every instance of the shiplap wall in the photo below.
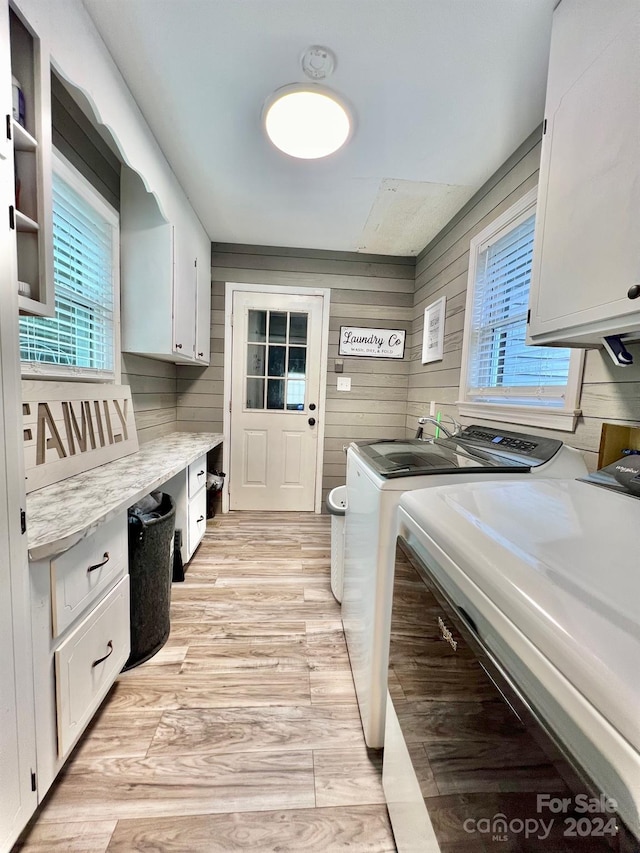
(608, 393)
(366, 290)
(154, 395)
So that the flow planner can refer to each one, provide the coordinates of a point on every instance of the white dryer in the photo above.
(378, 472)
(534, 582)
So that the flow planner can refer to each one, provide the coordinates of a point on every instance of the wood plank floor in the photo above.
(243, 732)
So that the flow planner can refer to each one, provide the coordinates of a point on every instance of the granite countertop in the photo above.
(60, 515)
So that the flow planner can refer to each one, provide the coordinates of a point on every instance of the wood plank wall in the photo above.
(366, 290)
(154, 395)
(608, 393)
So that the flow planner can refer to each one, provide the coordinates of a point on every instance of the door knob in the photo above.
(632, 293)
(311, 421)
(312, 407)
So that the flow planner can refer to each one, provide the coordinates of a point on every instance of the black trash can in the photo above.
(151, 531)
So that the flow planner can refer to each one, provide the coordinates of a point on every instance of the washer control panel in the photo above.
(538, 448)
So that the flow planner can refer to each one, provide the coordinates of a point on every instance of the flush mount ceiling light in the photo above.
(307, 121)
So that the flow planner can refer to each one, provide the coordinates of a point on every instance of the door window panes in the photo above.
(298, 329)
(255, 360)
(295, 395)
(277, 357)
(297, 362)
(276, 371)
(257, 326)
(277, 327)
(275, 394)
(255, 393)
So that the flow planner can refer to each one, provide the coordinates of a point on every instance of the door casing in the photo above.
(325, 293)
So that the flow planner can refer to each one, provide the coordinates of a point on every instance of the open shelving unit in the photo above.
(32, 219)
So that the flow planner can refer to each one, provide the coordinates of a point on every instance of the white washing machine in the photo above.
(378, 472)
(539, 579)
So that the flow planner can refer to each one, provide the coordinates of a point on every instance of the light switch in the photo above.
(344, 383)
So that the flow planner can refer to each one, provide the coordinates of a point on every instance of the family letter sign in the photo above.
(371, 343)
(71, 427)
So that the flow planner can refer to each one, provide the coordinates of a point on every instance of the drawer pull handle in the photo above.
(108, 654)
(99, 565)
(198, 520)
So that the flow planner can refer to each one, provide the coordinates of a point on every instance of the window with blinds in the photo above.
(80, 340)
(498, 368)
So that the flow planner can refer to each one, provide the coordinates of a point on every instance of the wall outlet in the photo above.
(344, 383)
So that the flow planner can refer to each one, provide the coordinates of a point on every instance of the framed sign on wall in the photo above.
(433, 334)
(371, 343)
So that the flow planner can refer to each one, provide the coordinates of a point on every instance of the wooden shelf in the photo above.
(27, 305)
(22, 139)
(23, 223)
(31, 144)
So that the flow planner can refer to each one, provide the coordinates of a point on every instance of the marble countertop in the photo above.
(60, 515)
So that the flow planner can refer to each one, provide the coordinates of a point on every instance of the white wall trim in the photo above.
(537, 416)
(324, 292)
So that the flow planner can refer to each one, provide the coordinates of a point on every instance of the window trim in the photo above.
(45, 370)
(564, 418)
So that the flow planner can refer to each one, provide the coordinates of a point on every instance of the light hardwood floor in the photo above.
(243, 732)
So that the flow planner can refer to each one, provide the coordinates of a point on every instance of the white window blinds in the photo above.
(500, 365)
(79, 340)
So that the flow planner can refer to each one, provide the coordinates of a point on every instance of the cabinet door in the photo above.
(203, 296)
(88, 662)
(197, 520)
(203, 308)
(6, 105)
(587, 254)
(197, 475)
(184, 296)
(17, 728)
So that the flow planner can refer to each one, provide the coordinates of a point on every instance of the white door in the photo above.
(275, 394)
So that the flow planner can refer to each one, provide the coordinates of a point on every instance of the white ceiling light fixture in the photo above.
(307, 121)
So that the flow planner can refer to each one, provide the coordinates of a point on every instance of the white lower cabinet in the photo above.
(88, 662)
(197, 520)
(81, 638)
(188, 489)
(81, 574)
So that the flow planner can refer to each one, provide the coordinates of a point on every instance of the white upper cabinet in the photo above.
(163, 304)
(203, 302)
(184, 294)
(30, 133)
(586, 266)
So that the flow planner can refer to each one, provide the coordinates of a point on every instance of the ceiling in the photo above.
(443, 91)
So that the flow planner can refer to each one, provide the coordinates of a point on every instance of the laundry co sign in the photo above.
(371, 343)
(72, 427)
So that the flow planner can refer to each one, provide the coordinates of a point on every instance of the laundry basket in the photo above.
(337, 505)
(151, 529)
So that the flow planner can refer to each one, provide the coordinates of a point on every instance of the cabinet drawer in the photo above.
(88, 661)
(197, 520)
(81, 574)
(197, 475)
